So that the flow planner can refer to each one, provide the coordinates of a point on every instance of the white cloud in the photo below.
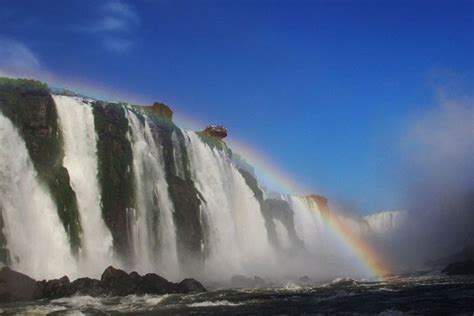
(106, 24)
(441, 139)
(115, 26)
(121, 9)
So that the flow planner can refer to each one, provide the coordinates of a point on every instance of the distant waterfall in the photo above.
(327, 254)
(80, 158)
(237, 235)
(309, 225)
(35, 237)
(154, 233)
(385, 224)
(282, 235)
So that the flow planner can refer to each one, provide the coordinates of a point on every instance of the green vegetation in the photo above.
(189, 220)
(115, 157)
(32, 87)
(29, 106)
(214, 142)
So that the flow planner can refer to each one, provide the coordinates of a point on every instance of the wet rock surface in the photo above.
(31, 109)
(115, 158)
(15, 286)
(280, 210)
(400, 296)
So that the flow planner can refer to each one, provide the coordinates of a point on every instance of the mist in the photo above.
(437, 187)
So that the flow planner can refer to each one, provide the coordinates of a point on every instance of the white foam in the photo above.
(213, 303)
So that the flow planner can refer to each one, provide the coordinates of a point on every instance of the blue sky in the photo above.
(323, 88)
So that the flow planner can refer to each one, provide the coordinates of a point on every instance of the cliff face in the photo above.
(188, 218)
(29, 106)
(115, 160)
(280, 210)
(116, 170)
(151, 175)
(273, 209)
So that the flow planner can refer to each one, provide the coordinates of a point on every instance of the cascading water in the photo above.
(323, 245)
(177, 155)
(385, 223)
(282, 235)
(237, 235)
(154, 233)
(232, 237)
(76, 121)
(34, 234)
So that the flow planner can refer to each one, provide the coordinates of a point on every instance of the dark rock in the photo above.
(135, 276)
(190, 222)
(15, 286)
(252, 183)
(275, 209)
(191, 285)
(56, 288)
(152, 283)
(86, 286)
(460, 268)
(115, 172)
(118, 282)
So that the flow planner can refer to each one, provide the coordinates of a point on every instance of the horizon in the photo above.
(332, 101)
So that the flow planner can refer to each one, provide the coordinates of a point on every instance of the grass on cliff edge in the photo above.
(24, 86)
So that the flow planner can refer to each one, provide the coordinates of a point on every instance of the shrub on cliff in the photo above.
(29, 86)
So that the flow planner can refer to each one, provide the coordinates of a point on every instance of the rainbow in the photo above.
(373, 262)
(280, 181)
(269, 174)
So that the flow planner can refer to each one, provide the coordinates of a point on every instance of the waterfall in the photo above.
(228, 223)
(177, 156)
(76, 121)
(237, 236)
(153, 229)
(34, 234)
(385, 223)
(282, 235)
(309, 224)
(324, 245)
